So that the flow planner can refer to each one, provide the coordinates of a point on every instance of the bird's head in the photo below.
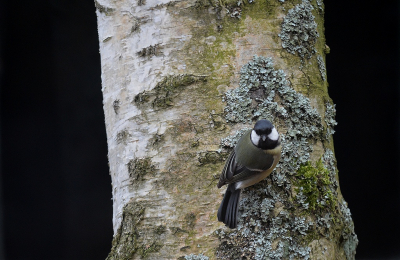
(264, 135)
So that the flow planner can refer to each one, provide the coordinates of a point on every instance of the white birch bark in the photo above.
(166, 66)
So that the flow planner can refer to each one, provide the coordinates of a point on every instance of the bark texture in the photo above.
(181, 81)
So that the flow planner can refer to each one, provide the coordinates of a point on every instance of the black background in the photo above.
(55, 186)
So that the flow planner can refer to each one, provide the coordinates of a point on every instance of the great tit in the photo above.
(252, 160)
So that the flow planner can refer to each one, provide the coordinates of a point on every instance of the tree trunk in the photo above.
(181, 80)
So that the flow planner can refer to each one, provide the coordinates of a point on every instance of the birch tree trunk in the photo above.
(181, 80)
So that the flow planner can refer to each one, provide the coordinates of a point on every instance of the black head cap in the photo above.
(263, 127)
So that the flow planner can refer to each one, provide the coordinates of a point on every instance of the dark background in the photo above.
(55, 187)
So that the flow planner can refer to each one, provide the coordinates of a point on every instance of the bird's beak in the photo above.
(263, 137)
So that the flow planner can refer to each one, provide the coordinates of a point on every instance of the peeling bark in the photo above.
(180, 81)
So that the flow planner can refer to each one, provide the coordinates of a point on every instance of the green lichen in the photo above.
(125, 241)
(260, 85)
(321, 66)
(196, 257)
(314, 183)
(299, 30)
(321, 6)
(166, 90)
(330, 164)
(138, 168)
(329, 119)
(349, 236)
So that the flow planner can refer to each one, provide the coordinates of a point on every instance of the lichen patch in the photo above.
(299, 30)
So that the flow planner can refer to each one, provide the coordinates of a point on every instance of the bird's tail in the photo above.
(227, 212)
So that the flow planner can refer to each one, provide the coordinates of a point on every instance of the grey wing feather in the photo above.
(244, 174)
(234, 171)
(228, 171)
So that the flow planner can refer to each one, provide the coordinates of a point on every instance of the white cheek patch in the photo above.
(255, 138)
(273, 135)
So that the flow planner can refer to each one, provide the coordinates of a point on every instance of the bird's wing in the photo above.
(228, 171)
(234, 171)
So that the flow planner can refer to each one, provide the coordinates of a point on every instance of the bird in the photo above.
(252, 160)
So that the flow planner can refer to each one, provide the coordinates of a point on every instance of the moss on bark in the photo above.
(125, 241)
